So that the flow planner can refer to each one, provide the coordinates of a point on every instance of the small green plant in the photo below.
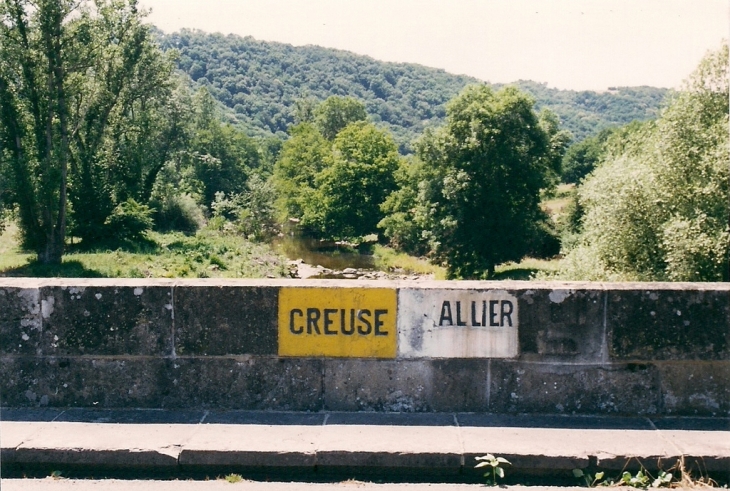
(664, 479)
(640, 480)
(56, 475)
(589, 480)
(233, 478)
(495, 463)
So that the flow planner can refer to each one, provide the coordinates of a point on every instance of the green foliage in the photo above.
(129, 221)
(586, 113)
(657, 208)
(88, 110)
(335, 113)
(257, 217)
(217, 159)
(266, 87)
(346, 201)
(303, 156)
(233, 478)
(640, 480)
(177, 212)
(479, 188)
(170, 255)
(251, 214)
(588, 479)
(495, 467)
(388, 259)
(222, 158)
(582, 157)
(404, 222)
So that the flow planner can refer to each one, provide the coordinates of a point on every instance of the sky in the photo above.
(568, 44)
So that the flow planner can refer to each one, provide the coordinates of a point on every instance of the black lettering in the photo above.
(493, 313)
(328, 322)
(379, 323)
(459, 322)
(474, 315)
(291, 321)
(484, 312)
(351, 330)
(312, 318)
(366, 328)
(446, 313)
(506, 312)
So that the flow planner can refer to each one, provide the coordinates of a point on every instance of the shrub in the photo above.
(178, 212)
(129, 221)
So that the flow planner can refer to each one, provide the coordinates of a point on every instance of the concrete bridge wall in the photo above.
(501, 347)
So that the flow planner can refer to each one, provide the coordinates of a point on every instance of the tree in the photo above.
(657, 207)
(129, 118)
(76, 82)
(336, 112)
(404, 221)
(483, 172)
(349, 192)
(302, 157)
(34, 117)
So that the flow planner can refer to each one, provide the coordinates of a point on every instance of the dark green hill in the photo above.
(260, 81)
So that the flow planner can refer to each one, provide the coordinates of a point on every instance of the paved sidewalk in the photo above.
(180, 442)
(221, 485)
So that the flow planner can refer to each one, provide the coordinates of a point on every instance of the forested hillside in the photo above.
(260, 82)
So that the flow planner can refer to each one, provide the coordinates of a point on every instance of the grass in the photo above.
(387, 259)
(525, 269)
(170, 255)
(556, 203)
(211, 254)
(10, 255)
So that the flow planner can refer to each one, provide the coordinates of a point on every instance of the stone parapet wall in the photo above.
(501, 347)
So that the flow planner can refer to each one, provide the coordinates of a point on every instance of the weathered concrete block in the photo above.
(82, 382)
(701, 388)
(20, 321)
(405, 385)
(377, 385)
(527, 449)
(524, 387)
(247, 446)
(83, 444)
(562, 324)
(107, 320)
(460, 385)
(352, 447)
(287, 384)
(669, 324)
(230, 320)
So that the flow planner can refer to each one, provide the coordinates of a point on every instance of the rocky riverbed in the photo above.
(299, 269)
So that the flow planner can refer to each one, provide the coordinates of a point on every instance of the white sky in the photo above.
(570, 44)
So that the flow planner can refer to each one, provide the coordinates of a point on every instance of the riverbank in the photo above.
(211, 254)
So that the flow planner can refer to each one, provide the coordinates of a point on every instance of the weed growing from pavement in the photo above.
(589, 480)
(678, 476)
(495, 463)
(233, 478)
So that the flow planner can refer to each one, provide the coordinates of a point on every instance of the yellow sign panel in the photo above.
(340, 322)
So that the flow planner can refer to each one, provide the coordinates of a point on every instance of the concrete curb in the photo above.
(362, 449)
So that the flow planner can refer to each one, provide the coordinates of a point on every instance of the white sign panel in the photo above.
(457, 324)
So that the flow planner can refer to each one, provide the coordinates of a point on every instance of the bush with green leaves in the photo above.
(179, 212)
(129, 222)
(251, 213)
(657, 208)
